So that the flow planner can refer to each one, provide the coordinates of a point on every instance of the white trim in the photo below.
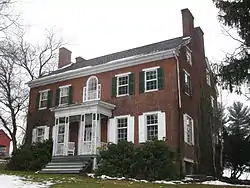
(117, 85)
(188, 160)
(190, 84)
(64, 86)
(152, 112)
(192, 129)
(121, 63)
(178, 79)
(155, 79)
(122, 74)
(151, 68)
(40, 99)
(45, 90)
(151, 90)
(186, 72)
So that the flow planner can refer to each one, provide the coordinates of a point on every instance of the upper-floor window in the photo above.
(151, 79)
(188, 129)
(187, 83)
(189, 55)
(64, 95)
(92, 91)
(122, 85)
(43, 101)
(212, 102)
(122, 132)
(208, 77)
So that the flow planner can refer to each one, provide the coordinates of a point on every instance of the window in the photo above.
(187, 83)
(123, 85)
(40, 134)
(151, 81)
(92, 91)
(208, 78)
(189, 55)
(212, 102)
(122, 124)
(188, 126)
(64, 95)
(152, 126)
(43, 101)
(61, 130)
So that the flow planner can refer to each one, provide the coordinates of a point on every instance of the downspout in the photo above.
(179, 108)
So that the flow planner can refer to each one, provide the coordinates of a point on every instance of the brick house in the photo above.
(4, 144)
(134, 95)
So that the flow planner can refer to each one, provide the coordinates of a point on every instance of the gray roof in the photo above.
(159, 46)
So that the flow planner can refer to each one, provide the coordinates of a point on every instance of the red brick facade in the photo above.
(166, 99)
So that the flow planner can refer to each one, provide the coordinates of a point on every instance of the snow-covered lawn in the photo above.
(11, 181)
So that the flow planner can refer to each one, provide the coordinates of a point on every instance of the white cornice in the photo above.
(117, 64)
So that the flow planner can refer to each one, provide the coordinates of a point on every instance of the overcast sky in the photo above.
(96, 27)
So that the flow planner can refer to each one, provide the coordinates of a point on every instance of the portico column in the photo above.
(54, 137)
(66, 136)
(80, 135)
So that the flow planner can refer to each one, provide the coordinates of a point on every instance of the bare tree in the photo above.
(13, 96)
(38, 60)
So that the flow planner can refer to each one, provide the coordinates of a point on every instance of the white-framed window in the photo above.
(187, 83)
(40, 133)
(122, 129)
(43, 100)
(189, 55)
(151, 80)
(61, 132)
(208, 78)
(92, 91)
(152, 126)
(64, 95)
(123, 85)
(188, 129)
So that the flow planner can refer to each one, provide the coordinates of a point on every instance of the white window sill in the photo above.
(122, 95)
(61, 105)
(188, 143)
(187, 94)
(43, 108)
(91, 100)
(151, 90)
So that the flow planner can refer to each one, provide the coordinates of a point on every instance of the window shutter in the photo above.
(185, 127)
(46, 133)
(112, 131)
(142, 129)
(161, 125)
(57, 96)
(34, 136)
(114, 87)
(131, 84)
(193, 132)
(50, 96)
(141, 82)
(37, 100)
(70, 95)
(130, 129)
(160, 73)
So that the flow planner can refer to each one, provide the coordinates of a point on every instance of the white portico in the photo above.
(77, 129)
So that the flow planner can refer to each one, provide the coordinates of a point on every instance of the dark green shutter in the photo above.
(131, 84)
(57, 96)
(160, 73)
(114, 85)
(37, 100)
(141, 82)
(70, 95)
(50, 96)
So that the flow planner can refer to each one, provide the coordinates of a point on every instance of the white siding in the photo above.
(130, 130)
(142, 129)
(112, 130)
(161, 125)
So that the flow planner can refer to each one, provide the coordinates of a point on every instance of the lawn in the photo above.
(77, 181)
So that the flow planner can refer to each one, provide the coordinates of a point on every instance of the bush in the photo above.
(117, 160)
(32, 157)
(151, 161)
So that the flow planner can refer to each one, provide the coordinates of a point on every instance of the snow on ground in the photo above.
(244, 176)
(8, 181)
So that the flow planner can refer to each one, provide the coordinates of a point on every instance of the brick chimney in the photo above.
(187, 22)
(199, 37)
(64, 57)
(79, 59)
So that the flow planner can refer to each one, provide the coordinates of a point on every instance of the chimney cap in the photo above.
(187, 11)
(79, 59)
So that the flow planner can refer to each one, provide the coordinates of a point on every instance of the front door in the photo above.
(73, 136)
(60, 139)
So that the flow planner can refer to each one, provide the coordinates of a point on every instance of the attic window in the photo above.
(189, 55)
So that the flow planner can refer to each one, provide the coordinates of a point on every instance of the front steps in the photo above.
(69, 165)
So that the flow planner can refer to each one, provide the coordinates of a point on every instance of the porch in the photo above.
(81, 129)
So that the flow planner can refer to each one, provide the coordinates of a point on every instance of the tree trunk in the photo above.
(14, 144)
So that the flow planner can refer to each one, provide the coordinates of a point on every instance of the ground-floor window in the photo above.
(189, 167)
(152, 126)
(122, 133)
